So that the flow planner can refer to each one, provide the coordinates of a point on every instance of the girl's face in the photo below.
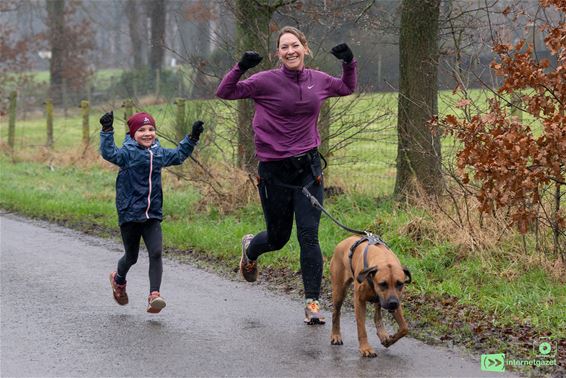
(145, 136)
(291, 52)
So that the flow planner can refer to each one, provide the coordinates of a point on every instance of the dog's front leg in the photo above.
(338, 294)
(360, 311)
(378, 320)
(401, 332)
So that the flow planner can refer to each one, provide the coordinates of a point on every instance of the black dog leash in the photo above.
(366, 236)
(317, 205)
(314, 203)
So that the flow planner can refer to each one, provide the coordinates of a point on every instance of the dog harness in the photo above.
(371, 240)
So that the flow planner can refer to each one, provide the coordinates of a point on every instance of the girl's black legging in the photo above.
(280, 204)
(150, 231)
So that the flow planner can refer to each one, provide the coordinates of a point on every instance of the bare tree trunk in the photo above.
(252, 33)
(56, 25)
(135, 36)
(157, 14)
(418, 150)
(201, 84)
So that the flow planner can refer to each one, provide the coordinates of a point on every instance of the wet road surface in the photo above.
(58, 318)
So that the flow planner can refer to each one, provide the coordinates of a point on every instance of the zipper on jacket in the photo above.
(149, 180)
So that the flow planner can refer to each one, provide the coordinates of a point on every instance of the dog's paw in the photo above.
(387, 342)
(368, 352)
(336, 340)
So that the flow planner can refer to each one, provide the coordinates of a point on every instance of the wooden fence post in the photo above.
(49, 112)
(65, 96)
(128, 112)
(85, 111)
(157, 83)
(180, 118)
(12, 119)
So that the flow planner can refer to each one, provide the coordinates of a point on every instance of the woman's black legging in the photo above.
(132, 233)
(279, 205)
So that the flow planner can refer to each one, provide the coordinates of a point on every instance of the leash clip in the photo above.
(314, 201)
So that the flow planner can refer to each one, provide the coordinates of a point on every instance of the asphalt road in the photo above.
(58, 318)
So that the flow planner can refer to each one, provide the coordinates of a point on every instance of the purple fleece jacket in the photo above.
(287, 105)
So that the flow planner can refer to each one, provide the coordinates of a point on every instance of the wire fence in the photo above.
(362, 141)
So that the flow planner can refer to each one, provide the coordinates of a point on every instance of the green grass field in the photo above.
(363, 146)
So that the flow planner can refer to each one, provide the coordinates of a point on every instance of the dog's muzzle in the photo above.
(391, 304)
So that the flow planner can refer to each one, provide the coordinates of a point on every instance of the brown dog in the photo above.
(378, 277)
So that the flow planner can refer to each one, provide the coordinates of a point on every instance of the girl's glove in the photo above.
(107, 120)
(249, 59)
(198, 128)
(342, 51)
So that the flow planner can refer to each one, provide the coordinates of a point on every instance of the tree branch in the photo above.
(364, 11)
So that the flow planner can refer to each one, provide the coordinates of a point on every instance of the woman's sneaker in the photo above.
(118, 291)
(248, 267)
(155, 303)
(312, 312)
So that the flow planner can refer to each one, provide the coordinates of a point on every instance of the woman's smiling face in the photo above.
(291, 52)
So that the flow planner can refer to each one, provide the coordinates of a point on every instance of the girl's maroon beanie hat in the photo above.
(138, 120)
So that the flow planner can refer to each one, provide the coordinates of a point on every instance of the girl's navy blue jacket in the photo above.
(138, 186)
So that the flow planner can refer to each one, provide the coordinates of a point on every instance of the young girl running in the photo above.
(139, 197)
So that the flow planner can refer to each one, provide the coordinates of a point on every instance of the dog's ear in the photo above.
(372, 270)
(408, 278)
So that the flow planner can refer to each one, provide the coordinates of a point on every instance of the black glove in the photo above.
(342, 51)
(249, 59)
(197, 130)
(107, 120)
